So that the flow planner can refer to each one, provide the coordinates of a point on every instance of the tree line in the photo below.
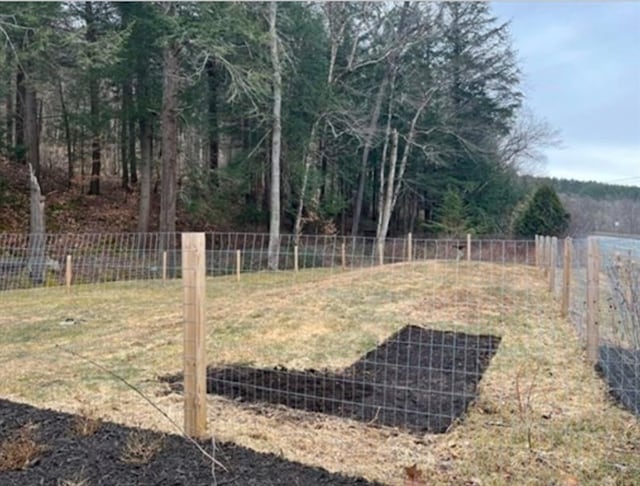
(358, 118)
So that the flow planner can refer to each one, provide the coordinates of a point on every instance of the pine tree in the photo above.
(452, 217)
(544, 214)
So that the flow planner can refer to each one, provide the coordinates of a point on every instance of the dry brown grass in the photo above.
(542, 415)
(77, 480)
(141, 447)
(86, 422)
(21, 449)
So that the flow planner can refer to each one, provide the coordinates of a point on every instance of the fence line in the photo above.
(599, 288)
(597, 279)
(73, 259)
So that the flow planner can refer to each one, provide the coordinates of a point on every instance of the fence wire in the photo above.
(419, 374)
(617, 310)
(619, 351)
(424, 337)
(28, 261)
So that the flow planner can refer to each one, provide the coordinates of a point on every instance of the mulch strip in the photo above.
(98, 459)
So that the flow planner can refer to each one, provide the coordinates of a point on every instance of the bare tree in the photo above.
(309, 160)
(408, 32)
(390, 194)
(521, 147)
(31, 132)
(37, 258)
(274, 223)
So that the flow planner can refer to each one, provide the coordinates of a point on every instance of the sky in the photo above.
(581, 73)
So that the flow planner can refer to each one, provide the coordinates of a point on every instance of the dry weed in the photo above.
(21, 449)
(78, 480)
(86, 422)
(141, 447)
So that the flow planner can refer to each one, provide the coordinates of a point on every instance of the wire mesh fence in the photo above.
(334, 349)
(57, 259)
(85, 258)
(328, 357)
(614, 290)
(619, 349)
(387, 373)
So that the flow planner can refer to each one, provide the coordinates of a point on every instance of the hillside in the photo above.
(68, 209)
(592, 189)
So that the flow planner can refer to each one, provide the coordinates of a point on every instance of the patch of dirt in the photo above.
(419, 379)
(104, 457)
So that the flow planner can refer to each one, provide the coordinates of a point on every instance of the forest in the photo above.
(335, 117)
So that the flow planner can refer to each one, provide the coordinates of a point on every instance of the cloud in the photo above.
(582, 74)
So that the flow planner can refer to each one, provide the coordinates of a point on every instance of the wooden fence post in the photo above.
(566, 276)
(195, 385)
(164, 267)
(68, 273)
(343, 252)
(537, 250)
(468, 247)
(553, 253)
(545, 255)
(238, 264)
(593, 296)
(409, 247)
(295, 258)
(540, 251)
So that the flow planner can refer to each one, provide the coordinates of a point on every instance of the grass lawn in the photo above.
(542, 415)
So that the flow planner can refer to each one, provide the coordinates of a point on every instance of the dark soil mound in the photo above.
(100, 458)
(419, 379)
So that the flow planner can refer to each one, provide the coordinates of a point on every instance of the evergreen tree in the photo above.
(543, 214)
(452, 217)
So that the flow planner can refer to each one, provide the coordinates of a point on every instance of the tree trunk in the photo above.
(9, 99)
(385, 216)
(390, 73)
(67, 133)
(368, 143)
(94, 108)
(393, 185)
(212, 79)
(274, 223)
(145, 175)
(169, 147)
(20, 99)
(310, 157)
(31, 138)
(37, 251)
(385, 149)
(125, 111)
(96, 162)
(131, 122)
(83, 170)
